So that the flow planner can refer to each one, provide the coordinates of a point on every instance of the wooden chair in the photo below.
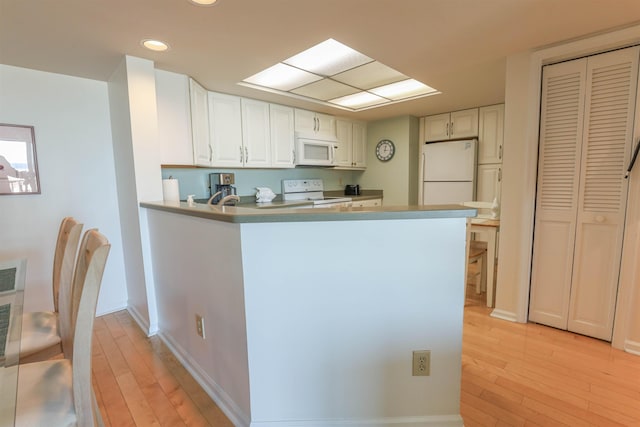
(478, 255)
(477, 250)
(43, 331)
(59, 392)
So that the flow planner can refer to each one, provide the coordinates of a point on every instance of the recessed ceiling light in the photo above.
(155, 45)
(359, 100)
(204, 2)
(282, 77)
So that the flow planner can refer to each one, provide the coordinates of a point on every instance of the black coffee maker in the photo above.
(220, 186)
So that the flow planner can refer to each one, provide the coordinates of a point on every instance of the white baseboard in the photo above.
(425, 421)
(142, 322)
(632, 347)
(222, 399)
(504, 315)
(111, 310)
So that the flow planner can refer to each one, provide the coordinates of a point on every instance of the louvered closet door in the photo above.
(585, 143)
(561, 125)
(607, 135)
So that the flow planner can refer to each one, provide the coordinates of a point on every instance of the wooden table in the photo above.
(12, 278)
(489, 228)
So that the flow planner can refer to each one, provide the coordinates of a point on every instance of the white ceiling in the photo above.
(457, 46)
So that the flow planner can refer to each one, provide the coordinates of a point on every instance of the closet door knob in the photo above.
(600, 218)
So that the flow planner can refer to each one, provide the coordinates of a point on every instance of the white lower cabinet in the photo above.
(489, 182)
(352, 143)
(366, 203)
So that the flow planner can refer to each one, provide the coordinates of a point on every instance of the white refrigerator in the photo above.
(449, 171)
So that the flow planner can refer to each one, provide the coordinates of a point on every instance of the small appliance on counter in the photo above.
(222, 192)
(352, 190)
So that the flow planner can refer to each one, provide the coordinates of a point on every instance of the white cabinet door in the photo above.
(322, 126)
(256, 133)
(367, 203)
(488, 184)
(174, 118)
(326, 125)
(464, 123)
(344, 153)
(305, 121)
(491, 134)
(359, 144)
(282, 136)
(202, 150)
(225, 127)
(436, 128)
(455, 125)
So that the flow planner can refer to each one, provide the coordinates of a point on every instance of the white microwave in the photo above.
(315, 152)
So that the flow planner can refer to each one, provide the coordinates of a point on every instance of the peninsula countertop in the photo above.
(241, 214)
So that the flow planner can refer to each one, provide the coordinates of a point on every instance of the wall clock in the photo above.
(385, 150)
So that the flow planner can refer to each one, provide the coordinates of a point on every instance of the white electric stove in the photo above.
(312, 190)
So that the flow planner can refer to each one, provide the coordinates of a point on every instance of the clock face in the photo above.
(385, 150)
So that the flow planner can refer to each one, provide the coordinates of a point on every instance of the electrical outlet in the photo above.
(200, 325)
(421, 363)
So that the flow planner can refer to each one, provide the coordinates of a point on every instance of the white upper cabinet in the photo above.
(202, 151)
(491, 134)
(352, 141)
(256, 133)
(344, 153)
(454, 125)
(282, 136)
(225, 129)
(317, 124)
(174, 118)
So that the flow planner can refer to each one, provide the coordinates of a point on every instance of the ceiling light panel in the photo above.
(325, 90)
(282, 77)
(405, 89)
(359, 100)
(328, 58)
(370, 75)
(333, 74)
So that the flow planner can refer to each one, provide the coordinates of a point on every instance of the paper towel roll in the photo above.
(170, 190)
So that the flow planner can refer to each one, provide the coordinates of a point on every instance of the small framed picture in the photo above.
(18, 162)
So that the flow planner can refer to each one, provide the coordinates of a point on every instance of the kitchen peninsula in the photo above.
(310, 316)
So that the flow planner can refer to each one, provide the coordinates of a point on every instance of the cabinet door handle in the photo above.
(293, 154)
(241, 155)
(500, 153)
(451, 128)
(499, 174)
(246, 154)
(210, 153)
(446, 131)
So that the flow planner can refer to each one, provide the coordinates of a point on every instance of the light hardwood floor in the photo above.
(512, 375)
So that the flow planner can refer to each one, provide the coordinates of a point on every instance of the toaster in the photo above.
(352, 190)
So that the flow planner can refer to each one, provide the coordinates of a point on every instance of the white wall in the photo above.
(76, 165)
(522, 100)
(132, 97)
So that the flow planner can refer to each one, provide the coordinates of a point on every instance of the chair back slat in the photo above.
(63, 269)
(64, 257)
(87, 279)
